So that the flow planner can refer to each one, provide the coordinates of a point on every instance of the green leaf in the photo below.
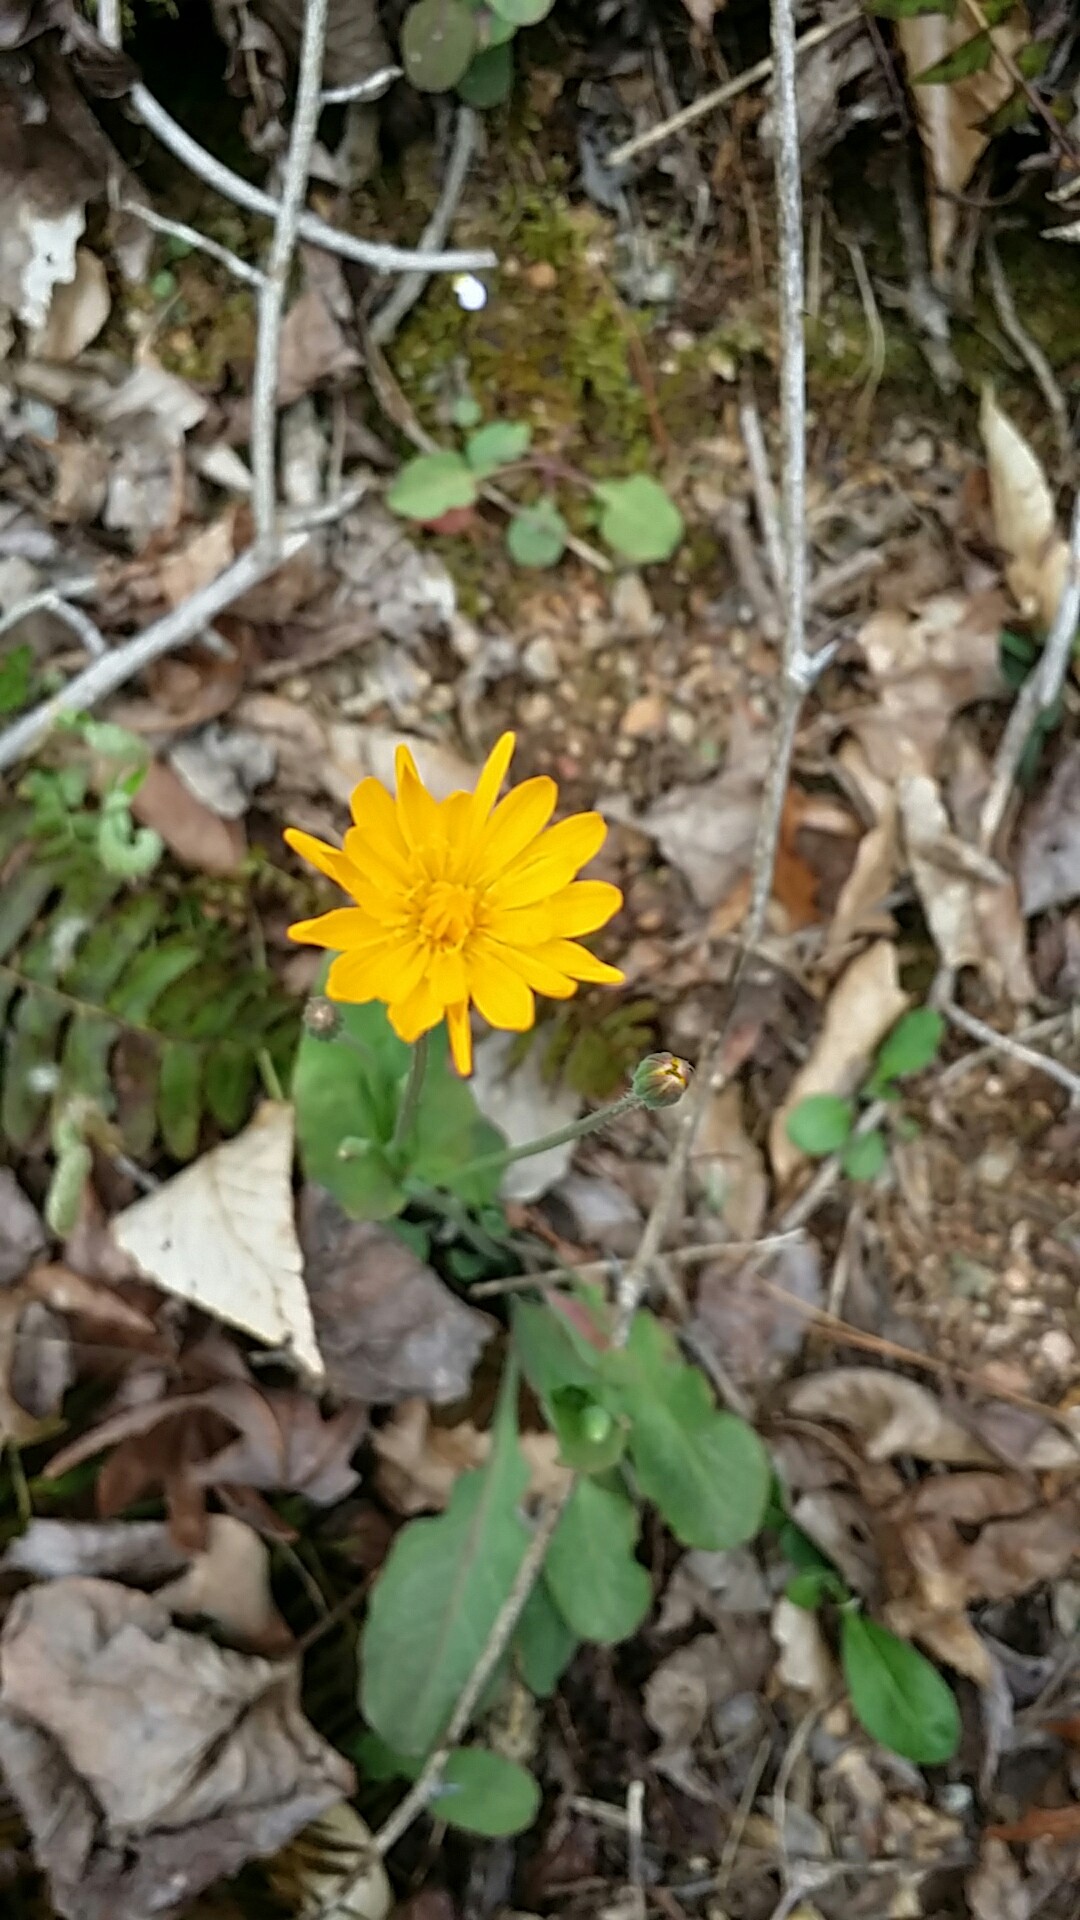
(553, 1353)
(811, 1590)
(537, 536)
(820, 1124)
(15, 671)
(179, 1102)
(591, 1438)
(466, 412)
(483, 1793)
(497, 444)
(909, 9)
(439, 1594)
(490, 79)
(545, 1643)
(911, 1047)
(638, 519)
(900, 1699)
(522, 13)
(973, 56)
(865, 1155)
(432, 484)
(599, 1587)
(707, 1471)
(438, 40)
(348, 1089)
(1034, 59)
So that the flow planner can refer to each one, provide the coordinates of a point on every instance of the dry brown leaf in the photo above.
(333, 1871)
(221, 1235)
(78, 310)
(133, 1551)
(1048, 866)
(996, 1889)
(194, 562)
(80, 479)
(752, 1332)
(684, 1690)
(948, 1636)
(387, 1327)
(728, 1169)
(1025, 519)
(866, 1001)
(891, 1414)
(926, 665)
(313, 348)
(948, 875)
(22, 1232)
(860, 908)
(148, 1762)
(420, 1461)
(805, 1663)
(197, 836)
(228, 1581)
(315, 756)
(1012, 1556)
(951, 118)
(707, 831)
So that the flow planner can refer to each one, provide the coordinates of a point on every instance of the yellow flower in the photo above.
(460, 901)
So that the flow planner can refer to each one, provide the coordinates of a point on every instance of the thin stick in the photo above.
(719, 97)
(104, 675)
(372, 88)
(1004, 1043)
(272, 291)
(177, 229)
(371, 253)
(55, 600)
(801, 668)
(768, 511)
(108, 22)
(1028, 348)
(387, 319)
(1038, 693)
(427, 1782)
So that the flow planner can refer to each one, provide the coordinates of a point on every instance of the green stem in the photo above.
(410, 1099)
(576, 1130)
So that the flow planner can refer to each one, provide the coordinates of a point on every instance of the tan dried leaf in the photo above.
(805, 1663)
(927, 664)
(419, 1462)
(1025, 519)
(860, 908)
(727, 1167)
(229, 1582)
(866, 1001)
(891, 1415)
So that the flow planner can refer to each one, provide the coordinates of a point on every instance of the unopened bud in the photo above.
(661, 1079)
(321, 1018)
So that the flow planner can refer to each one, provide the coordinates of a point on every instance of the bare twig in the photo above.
(108, 22)
(1046, 1029)
(801, 668)
(1029, 349)
(768, 512)
(58, 601)
(273, 289)
(240, 269)
(1004, 1043)
(372, 88)
(1038, 693)
(104, 675)
(875, 332)
(427, 1782)
(719, 97)
(387, 319)
(371, 253)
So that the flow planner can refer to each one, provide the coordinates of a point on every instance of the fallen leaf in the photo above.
(333, 757)
(952, 117)
(891, 1414)
(713, 1584)
(313, 348)
(682, 1692)
(996, 1889)
(221, 1235)
(805, 1663)
(419, 1462)
(22, 1232)
(334, 1871)
(130, 1550)
(194, 562)
(228, 1581)
(866, 1001)
(860, 908)
(752, 1332)
(1056, 1824)
(147, 1761)
(197, 836)
(1024, 517)
(78, 310)
(387, 1327)
(25, 1416)
(707, 831)
(1048, 860)
(728, 1169)
(949, 876)
(524, 1104)
(1012, 1556)
(927, 665)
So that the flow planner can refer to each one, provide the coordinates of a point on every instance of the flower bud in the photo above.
(661, 1079)
(321, 1018)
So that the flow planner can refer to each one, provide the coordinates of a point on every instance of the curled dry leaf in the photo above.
(860, 908)
(891, 1415)
(1025, 520)
(713, 1584)
(197, 836)
(228, 1581)
(687, 1687)
(866, 1001)
(221, 1235)
(148, 1762)
(313, 348)
(927, 665)
(707, 831)
(387, 1326)
(971, 905)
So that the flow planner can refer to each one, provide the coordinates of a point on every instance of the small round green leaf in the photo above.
(438, 40)
(912, 1045)
(466, 412)
(820, 1124)
(522, 13)
(865, 1155)
(490, 78)
(899, 1698)
(497, 444)
(591, 1571)
(483, 1793)
(638, 519)
(537, 536)
(431, 485)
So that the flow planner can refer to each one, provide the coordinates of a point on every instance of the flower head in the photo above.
(661, 1079)
(470, 899)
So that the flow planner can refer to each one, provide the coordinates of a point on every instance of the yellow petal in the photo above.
(417, 812)
(377, 887)
(584, 906)
(551, 863)
(395, 970)
(328, 860)
(578, 962)
(375, 814)
(515, 822)
(416, 1014)
(523, 926)
(447, 978)
(345, 929)
(460, 1031)
(347, 979)
(536, 974)
(492, 775)
(502, 996)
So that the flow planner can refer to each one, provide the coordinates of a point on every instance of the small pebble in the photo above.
(541, 276)
(1058, 1350)
(681, 727)
(632, 607)
(541, 660)
(535, 708)
(644, 716)
(919, 454)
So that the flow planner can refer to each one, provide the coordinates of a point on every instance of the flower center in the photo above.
(448, 914)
